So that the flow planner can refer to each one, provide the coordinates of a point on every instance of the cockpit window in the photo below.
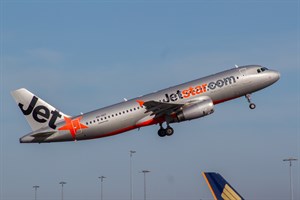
(262, 69)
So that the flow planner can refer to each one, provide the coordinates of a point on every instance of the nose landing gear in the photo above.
(251, 105)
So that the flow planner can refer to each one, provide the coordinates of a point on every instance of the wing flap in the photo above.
(159, 108)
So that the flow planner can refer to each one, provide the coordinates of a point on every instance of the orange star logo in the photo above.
(73, 126)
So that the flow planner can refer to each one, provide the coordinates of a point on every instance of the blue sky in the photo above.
(82, 55)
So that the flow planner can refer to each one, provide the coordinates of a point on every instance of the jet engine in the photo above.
(195, 110)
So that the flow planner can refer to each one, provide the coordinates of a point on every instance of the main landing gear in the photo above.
(251, 105)
(162, 132)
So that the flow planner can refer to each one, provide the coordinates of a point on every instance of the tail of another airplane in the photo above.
(38, 113)
(220, 188)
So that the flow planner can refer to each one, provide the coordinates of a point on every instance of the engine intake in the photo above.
(195, 110)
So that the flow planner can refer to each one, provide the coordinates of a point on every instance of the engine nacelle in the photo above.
(195, 110)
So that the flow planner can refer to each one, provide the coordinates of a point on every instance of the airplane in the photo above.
(220, 188)
(187, 101)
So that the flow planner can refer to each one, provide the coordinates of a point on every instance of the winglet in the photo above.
(220, 188)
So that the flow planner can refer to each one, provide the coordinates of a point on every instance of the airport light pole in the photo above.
(131, 153)
(101, 178)
(290, 160)
(35, 190)
(62, 189)
(144, 172)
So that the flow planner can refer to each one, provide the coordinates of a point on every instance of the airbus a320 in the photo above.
(187, 101)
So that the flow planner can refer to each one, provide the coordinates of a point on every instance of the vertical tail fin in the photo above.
(38, 113)
(220, 188)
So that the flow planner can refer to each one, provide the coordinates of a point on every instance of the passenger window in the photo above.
(120, 113)
(101, 119)
(98, 120)
(104, 117)
(138, 107)
(134, 109)
(87, 123)
(258, 70)
(112, 115)
(94, 121)
(108, 116)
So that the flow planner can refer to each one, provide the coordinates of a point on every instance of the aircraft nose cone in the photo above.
(276, 75)
(273, 76)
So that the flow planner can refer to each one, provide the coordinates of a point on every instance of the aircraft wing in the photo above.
(220, 188)
(159, 108)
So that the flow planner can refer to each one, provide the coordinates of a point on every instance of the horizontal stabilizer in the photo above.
(43, 134)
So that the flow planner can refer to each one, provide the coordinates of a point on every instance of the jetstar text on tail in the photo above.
(40, 113)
